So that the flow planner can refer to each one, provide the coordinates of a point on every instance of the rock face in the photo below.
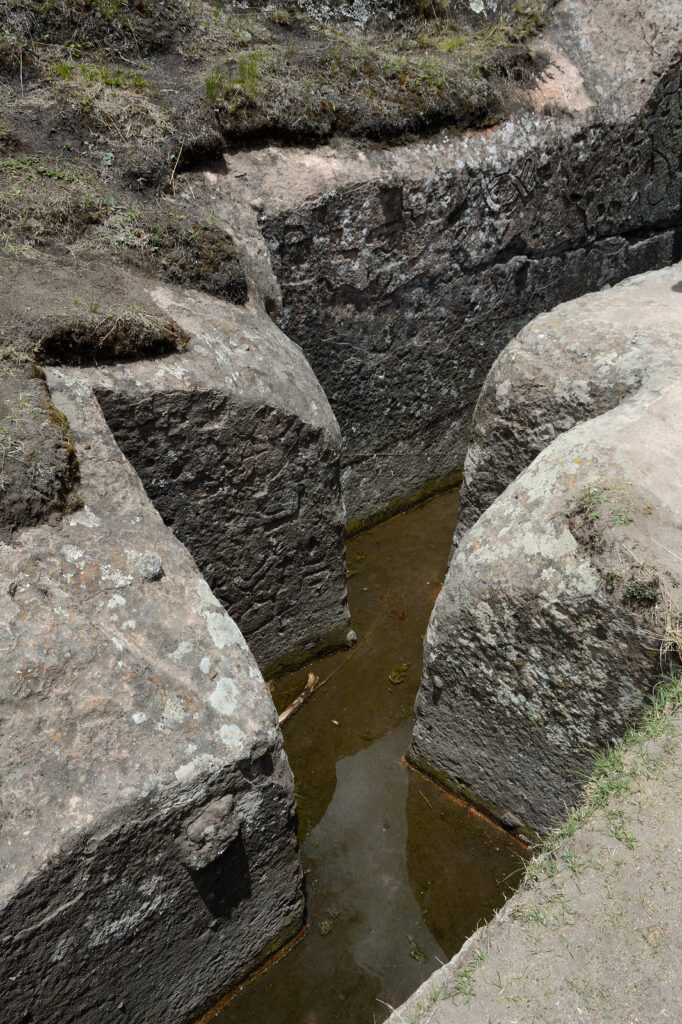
(148, 849)
(238, 449)
(405, 271)
(527, 401)
(547, 631)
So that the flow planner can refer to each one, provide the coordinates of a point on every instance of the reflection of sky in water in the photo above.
(363, 872)
(390, 860)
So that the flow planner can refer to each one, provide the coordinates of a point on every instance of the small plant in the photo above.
(398, 674)
(214, 83)
(640, 591)
(63, 69)
(620, 517)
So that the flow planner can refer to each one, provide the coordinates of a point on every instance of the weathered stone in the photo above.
(238, 449)
(569, 365)
(405, 271)
(38, 464)
(546, 634)
(148, 852)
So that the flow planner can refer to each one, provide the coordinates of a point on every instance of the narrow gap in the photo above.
(398, 872)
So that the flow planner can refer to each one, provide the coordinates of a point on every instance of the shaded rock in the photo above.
(238, 449)
(38, 464)
(405, 271)
(148, 849)
(557, 602)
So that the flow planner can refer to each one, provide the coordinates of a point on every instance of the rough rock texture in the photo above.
(405, 271)
(148, 850)
(38, 464)
(597, 936)
(362, 12)
(546, 633)
(571, 364)
(238, 449)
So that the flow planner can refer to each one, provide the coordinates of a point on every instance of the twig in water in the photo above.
(310, 687)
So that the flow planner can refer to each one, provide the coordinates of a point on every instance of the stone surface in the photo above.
(405, 270)
(545, 636)
(238, 449)
(148, 845)
(38, 465)
(597, 936)
(573, 363)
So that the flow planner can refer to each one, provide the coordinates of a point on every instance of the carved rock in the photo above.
(148, 846)
(405, 271)
(546, 634)
(238, 449)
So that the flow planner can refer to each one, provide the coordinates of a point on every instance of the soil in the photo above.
(105, 102)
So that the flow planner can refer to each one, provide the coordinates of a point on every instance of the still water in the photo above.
(398, 873)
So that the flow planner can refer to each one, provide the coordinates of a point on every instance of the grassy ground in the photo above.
(105, 101)
(595, 930)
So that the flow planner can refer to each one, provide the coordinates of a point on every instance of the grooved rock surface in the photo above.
(148, 851)
(546, 634)
(405, 271)
(238, 449)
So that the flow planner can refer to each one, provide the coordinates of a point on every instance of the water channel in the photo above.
(398, 873)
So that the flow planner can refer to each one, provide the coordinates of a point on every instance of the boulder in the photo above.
(405, 270)
(148, 855)
(568, 365)
(562, 601)
(238, 449)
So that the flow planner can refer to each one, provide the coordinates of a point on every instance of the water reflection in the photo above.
(397, 873)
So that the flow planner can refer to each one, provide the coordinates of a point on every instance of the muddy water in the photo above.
(397, 873)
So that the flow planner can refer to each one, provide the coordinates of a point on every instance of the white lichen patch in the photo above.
(224, 697)
(173, 713)
(183, 648)
(85, 517)
(72, 553)
(223, 630)
(233, 737)
(116, 601)
(139, 717)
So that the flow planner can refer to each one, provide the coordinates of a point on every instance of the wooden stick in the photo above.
(305, 694)
(313, 684)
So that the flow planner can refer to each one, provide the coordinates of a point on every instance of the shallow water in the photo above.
(398, 873)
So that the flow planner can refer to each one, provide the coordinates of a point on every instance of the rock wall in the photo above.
(558, 600)
(148, 849)
(405, 271)
(238, 449)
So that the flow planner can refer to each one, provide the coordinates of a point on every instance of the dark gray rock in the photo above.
(563, 599)
(238, 449)
(405, 271)
(148, 855)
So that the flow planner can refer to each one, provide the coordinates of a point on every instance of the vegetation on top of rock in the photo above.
(96, 336)
(106, 102)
